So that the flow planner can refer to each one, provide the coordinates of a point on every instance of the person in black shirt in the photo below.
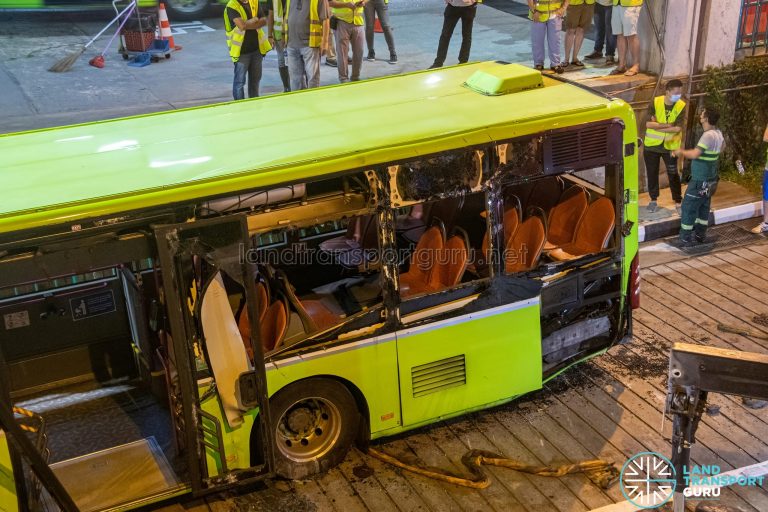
(248, 63)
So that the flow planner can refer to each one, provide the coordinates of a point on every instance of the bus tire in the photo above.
(314, 423)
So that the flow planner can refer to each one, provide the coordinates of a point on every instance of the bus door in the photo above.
(222, 396)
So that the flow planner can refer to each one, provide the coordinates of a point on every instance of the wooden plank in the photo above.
(311, 491)
(500, 494)
(432, 447)
(191, 506)
(524, 487)
(538, 443)
(711, 447)
(432, 493)
(686, 324)
(744, 262)
(696, 313)
(571, 449)
(731, 274)
(370, 489)
(340, 492)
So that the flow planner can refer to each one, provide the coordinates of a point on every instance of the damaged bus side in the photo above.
(196, 314)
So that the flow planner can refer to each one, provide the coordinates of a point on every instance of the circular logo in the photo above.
(648, 480)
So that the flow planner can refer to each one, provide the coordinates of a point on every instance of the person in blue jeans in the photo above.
(243, 23)
(547, 18)
(604, 37)
(763, 226)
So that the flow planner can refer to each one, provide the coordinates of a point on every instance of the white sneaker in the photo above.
(760, 228)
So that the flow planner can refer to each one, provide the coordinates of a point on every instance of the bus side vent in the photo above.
(582, 147)
(438, 375)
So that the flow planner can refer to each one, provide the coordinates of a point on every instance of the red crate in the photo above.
(138, 41)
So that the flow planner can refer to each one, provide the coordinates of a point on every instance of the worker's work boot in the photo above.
(286, 78)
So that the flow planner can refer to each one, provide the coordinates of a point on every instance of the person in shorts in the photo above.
(624, 20)
(578, 17)
(763, 226)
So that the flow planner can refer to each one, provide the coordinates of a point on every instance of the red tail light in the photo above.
(634, 282)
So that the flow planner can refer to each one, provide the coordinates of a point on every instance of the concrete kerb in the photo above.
(669, 227)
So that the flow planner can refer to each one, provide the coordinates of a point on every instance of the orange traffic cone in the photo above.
(165, 27)
(377, 27)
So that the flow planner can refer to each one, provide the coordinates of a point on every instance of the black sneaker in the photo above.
(371, 57)
(594, 55)
(331, 62)
(435, 65)
(539, 67)
(558, 69)
(610, 60)
(392, 58)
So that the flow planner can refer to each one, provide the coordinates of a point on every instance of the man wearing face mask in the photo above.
(662, 137)
(694, 218)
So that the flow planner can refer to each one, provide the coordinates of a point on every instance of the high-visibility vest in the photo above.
(280, 20)
(235, 36)
(544, 8)
(628, 3)
(579, 2)
(656, 138)
(315, 25)
(351, 16)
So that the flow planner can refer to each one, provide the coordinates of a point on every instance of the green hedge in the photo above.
(743, 116)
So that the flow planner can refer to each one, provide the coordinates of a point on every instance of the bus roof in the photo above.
(60, 175)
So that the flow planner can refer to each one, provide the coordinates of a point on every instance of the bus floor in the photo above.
(88, 417)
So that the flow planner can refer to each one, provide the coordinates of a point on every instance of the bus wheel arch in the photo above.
(315, 421)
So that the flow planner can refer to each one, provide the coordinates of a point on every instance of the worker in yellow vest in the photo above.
(578, 18)
(455, 10)
(349, 31)
(662, 136)
(243, 22)
(547, 18)
(624, 20)
(278, 24)
(305, 40)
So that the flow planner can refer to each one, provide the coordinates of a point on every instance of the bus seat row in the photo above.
(435, 263)
(273, 320)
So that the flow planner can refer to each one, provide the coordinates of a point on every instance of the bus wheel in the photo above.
(314, 424)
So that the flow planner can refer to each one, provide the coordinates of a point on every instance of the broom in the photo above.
(67, 62)
(98, 61)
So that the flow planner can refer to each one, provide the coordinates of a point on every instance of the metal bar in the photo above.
(216, 431)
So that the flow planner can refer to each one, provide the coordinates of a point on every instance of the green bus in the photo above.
(261, 284)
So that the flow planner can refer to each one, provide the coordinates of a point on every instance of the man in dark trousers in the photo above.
(456, 10)
(694, 219)
(663, 136)
(243, 22)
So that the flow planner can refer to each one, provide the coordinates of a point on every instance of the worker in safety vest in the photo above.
(278, 34)
(763, 226)
(305, 40)
(349, 31)
(624, 20)
(243, 22)
(663, 133)
(455, 10)
(578, 18)
(547, 17)
(704, 177)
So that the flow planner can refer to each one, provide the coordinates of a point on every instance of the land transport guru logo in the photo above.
(648, 480)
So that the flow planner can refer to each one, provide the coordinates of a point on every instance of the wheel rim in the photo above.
(308, 429)
(188, 6)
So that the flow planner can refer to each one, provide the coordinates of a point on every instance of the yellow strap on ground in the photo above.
(601, 472)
